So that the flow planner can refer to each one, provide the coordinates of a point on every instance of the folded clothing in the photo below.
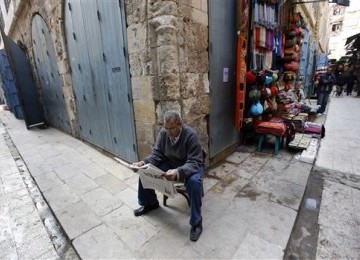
(277, 129)
(313, 128)
(300, 141)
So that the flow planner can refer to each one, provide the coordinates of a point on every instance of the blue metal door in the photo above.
(24, 81)
(304, 53)
(222, 40)
(10, 91)
(46, 64)
(100, 74)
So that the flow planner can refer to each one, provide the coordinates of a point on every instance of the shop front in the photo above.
(280, 64)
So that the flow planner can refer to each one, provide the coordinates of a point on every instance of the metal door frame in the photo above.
(222, 60)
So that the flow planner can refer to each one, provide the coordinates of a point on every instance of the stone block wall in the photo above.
(168, 50)
(168, 56)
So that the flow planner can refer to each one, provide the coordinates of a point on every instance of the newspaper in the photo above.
(152, 178)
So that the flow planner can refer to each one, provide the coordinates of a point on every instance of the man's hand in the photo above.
(136, 165)
(171, 175)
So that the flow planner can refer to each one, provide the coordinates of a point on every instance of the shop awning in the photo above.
(353, 42)
(351, 38)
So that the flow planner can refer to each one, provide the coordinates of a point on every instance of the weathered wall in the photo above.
(168, 56)
(323, 27)
(168, 43)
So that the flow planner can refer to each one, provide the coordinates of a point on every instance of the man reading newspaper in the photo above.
(178, 153)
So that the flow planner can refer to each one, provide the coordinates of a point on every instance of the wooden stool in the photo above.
(279, 140)
(181, 189)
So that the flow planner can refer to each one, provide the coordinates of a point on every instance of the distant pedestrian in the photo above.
(324, 88)
(346, 80)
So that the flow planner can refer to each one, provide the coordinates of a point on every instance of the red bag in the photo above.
(292, 66)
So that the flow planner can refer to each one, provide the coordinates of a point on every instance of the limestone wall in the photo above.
(168, 43)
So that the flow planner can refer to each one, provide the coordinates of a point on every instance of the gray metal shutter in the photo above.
(47, 69)
(96, 46)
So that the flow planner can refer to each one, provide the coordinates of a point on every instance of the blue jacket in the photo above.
(326, 83)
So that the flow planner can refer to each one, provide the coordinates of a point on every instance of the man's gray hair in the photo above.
(172, 114)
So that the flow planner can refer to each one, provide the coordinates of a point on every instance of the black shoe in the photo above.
(195, 232)
(145, 209)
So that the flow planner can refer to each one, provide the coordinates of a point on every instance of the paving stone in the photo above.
(339, 232)
(61, 197)
(101, 201)
(66, 171)
(208, 183)
(229, 186)
(129, 197)
(175, 237)
(13, 186)
(266, 219)
(244, 173)
(58, 161)
(133, 231)
(133, 181)
(47, 150)
(77, 219)
(81, 183)
(220, 238)
(39, 168)
(254, 247)
(101, 243)
(48, 181)
(278, 190)
(213, 206)
(34, 242)
(252, 166)
(110, 183)
(237, 157)
(92, 171)
(221, 171)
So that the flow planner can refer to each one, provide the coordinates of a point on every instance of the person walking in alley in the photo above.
(347, 79)
(177, 152)
(324, 88)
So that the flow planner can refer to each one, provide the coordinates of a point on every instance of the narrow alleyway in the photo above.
(250, 207)
(328, 223)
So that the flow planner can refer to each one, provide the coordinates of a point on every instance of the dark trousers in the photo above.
(349, 88)
(194, 190)
(322, 99)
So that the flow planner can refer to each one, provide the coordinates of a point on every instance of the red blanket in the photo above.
(277, 129)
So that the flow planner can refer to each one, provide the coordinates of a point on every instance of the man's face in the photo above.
(172, 127)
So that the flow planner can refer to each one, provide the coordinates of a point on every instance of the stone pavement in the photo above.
(339, 161)
(22, 233)
(249, 208)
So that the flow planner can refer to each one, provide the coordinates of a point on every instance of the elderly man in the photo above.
(177, 152)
